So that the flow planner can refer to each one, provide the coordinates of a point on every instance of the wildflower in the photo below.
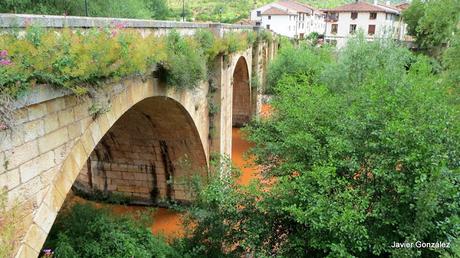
(5, 62)
(48, 252)
(3, 53)
(27, 22)
(118, 25)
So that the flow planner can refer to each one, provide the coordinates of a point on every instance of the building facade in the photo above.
(290, 18)
(375, 21)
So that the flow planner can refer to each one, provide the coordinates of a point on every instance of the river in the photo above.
(168, 222)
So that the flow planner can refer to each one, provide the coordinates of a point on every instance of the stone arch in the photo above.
(137, 94)
(241, 100)
(147, 155)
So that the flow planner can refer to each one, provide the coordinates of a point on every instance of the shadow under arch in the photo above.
(148, 154)
(241, 102)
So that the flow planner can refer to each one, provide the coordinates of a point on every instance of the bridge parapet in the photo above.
(77, 22)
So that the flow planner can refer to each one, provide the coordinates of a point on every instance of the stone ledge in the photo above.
(54, 21)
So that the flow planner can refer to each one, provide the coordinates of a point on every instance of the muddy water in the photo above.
(168, 222)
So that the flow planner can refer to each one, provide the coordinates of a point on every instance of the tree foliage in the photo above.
(146, 9)
(86, 231)
(359, 154)
(432, 22)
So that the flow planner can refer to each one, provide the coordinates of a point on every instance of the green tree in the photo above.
(433, 22)
(86, 231)
(359, 154)
(159, 8)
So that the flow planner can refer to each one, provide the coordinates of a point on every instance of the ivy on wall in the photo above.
(78, 59)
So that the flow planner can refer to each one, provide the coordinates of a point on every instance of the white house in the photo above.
(374, 20)
(290, 18)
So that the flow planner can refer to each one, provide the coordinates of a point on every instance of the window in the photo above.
(371, 30)
(352, 28)
(259, 13)
(373, 16)
(268, 27)
(354, 15)
(334, 28)
(258, 23)
(269, 17)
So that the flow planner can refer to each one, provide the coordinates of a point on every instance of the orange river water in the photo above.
(168, 222)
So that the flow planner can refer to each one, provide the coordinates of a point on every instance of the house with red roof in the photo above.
(373, 19)
(290, 18)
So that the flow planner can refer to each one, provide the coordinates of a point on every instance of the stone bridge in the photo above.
(152, 138)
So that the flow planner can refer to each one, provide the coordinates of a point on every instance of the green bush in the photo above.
(304, 60)
(185, 64)
(77, 60)
(352, 164)
(86, 231)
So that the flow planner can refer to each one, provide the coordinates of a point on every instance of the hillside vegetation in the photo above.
(233, 10)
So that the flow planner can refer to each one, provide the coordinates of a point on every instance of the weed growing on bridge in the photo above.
(9, 226)
(78, 60)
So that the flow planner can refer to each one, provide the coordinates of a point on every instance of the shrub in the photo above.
(185, 64)
(352, 165)
(77, 59)
(86, 231)
(304, 60)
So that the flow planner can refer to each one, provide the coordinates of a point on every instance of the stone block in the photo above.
(96, 132)
(34, 129)
(35, 237)
(23, 153)
(70, 168)
(88, 142)
(26, 251)
(104, 124)
(61, 152)
(10, 179)
(141, 177)
(85, 123)
(36, 111)
(51, 122)
(71, 101)
(79, 155)
(63, 183)
(126, 189)
(128, 175)
(54, 199)
(75, 130)
(34, 167)
(55, 105)
(44, 217)
(114, 175)
(53, 140)
(81, 111)
(66, 117)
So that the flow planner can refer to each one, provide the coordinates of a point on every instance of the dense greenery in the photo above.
(228, 11)
(77, 60)
(361, 152)
(433, 22)
(157, 9)
(86, 231)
